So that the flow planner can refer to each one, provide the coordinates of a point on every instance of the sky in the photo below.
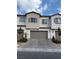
(44, 7)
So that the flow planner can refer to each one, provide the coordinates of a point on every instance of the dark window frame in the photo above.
(57, 20)
(44, 21)
(22, 19)
(32, 20)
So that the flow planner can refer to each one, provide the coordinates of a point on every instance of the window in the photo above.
(44, 21)
(32, 20)
(22, 19)
(57, 20)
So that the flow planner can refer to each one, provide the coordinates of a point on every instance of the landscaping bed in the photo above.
(56, 41)
(22, 40)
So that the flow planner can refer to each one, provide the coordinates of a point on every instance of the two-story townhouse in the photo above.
(37, 27)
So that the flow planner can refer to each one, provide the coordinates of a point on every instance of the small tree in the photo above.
(53, 38)
(55, 41)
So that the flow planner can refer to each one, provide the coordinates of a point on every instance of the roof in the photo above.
(32, 12)
(56, 14)
(39, 14)
(21, 15)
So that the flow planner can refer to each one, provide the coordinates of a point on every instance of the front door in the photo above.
(58, 37)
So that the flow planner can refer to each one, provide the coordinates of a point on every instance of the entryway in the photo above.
(58, 37)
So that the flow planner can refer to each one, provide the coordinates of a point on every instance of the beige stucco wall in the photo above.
(44, 25)
(32, 25)
(18, 21)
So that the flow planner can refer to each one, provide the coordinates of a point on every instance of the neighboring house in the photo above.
(36, 26)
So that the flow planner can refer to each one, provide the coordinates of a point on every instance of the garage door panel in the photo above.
(38, 35)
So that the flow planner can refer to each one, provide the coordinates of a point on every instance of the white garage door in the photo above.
(39, 34)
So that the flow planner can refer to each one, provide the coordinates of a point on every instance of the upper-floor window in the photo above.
(44, 21)
(57, 20)
(22, 19)
(32, 20)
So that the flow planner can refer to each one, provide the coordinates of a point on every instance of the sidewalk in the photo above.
(38, 50)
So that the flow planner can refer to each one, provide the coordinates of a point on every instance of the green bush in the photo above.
(55, 40)
(22, 40)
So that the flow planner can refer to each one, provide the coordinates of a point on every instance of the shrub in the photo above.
(55, 40)
(22, 40)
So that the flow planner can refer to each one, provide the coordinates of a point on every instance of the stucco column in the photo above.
(28, 34)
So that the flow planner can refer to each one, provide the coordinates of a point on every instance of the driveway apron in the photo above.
(40, 43)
